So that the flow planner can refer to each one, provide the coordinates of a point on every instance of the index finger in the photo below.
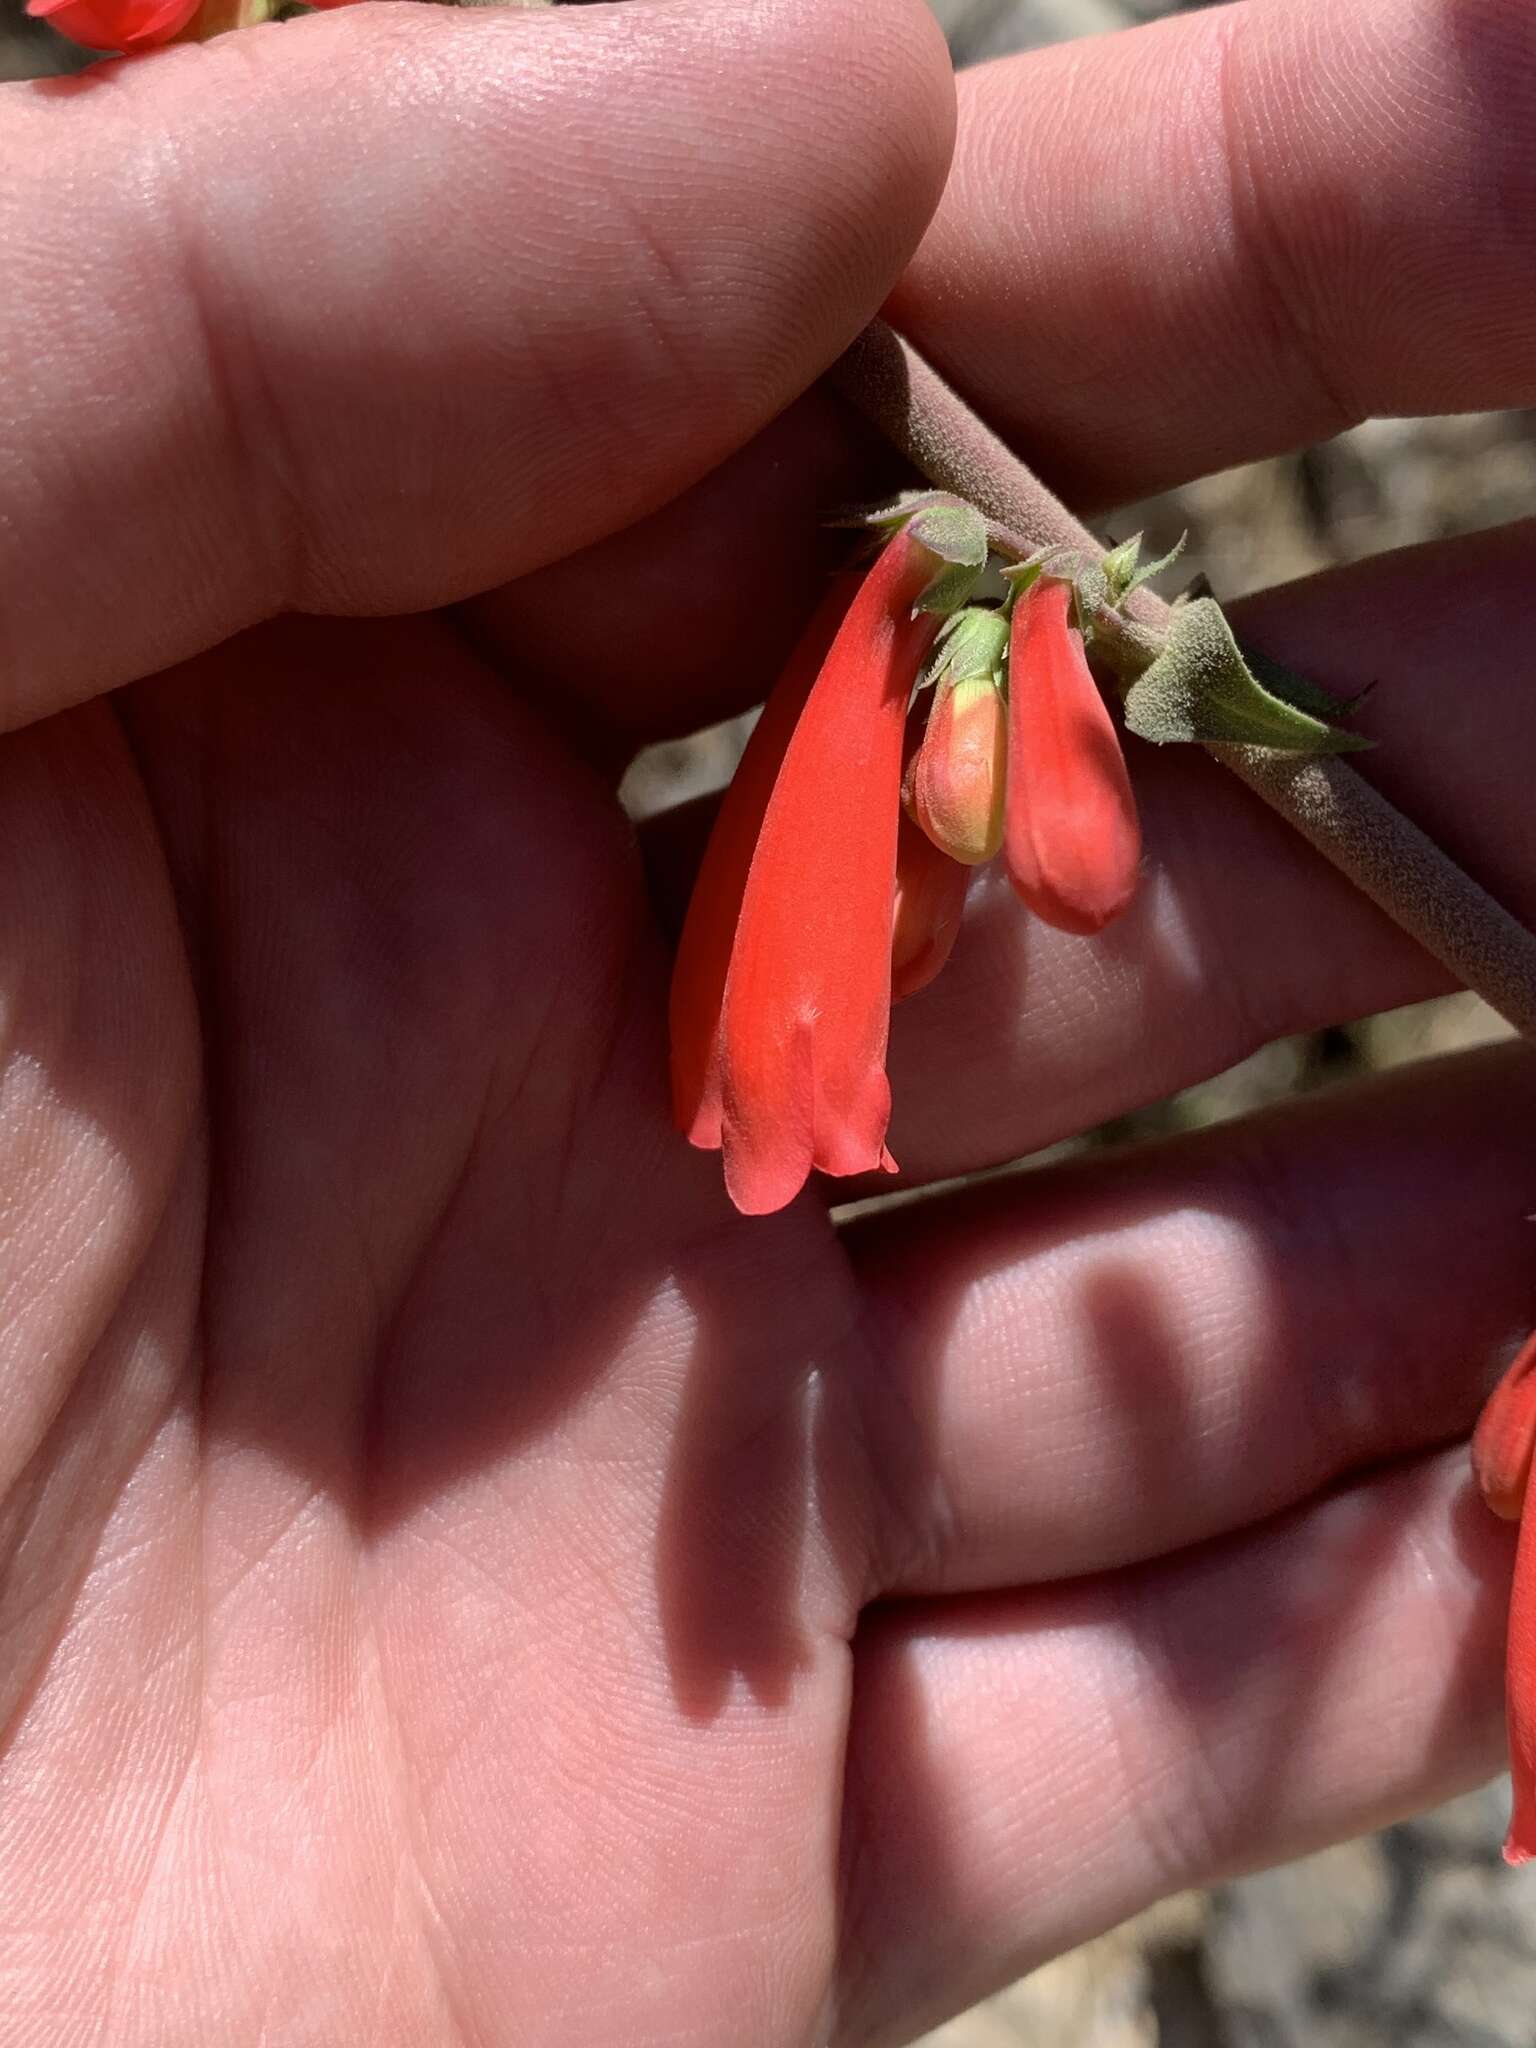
(1234, 232)
(378, 309)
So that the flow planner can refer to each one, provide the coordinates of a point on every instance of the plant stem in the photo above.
(1334, 808)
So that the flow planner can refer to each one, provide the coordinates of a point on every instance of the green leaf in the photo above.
(1296, 690)
(1201, 688)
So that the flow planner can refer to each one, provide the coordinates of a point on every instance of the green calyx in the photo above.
(972, 644)
(957, 534)
(947, 527)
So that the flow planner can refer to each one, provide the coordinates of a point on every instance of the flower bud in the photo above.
(956, 783)
(1072, 839)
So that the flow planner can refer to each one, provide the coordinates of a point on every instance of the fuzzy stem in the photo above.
(1335, 809)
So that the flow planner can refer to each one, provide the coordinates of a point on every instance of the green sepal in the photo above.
(1124, 570)
(957, 534)
(1053, 559)
(1149, 570)
(1201, 688)
(972, 642)
(893, 512)
(1021, 577)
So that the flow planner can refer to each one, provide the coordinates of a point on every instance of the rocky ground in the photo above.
(1417, 1938)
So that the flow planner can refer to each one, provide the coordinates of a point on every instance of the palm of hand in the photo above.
(436, 1537)
(394, 1629)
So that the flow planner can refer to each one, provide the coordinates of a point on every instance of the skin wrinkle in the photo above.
(1259, 230)
(905, 1535)
(255, 424)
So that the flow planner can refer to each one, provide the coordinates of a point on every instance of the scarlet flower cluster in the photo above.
(834, 879)
(1501, 1457)
(131, 26)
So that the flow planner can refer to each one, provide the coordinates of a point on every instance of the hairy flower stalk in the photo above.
(785, 1070)
(1072, 841)
(1345, 818)
(1501, 1458)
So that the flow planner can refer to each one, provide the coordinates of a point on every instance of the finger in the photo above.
(687, 616)
(1240, 934)
(1235, 232)
(1028, 1769)
(1105, 1360)
(397, 303)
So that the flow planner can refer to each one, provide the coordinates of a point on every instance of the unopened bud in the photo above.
(957, 781)
(1072, 840)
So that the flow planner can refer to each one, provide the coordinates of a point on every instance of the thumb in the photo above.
(380, 308)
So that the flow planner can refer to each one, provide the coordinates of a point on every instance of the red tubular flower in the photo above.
(116, 24)
(930, 898)
(797, 1065)
(704, 950)
(1501, 1458)
(1505, 1436)
(1072, 839)
(1520, 1697)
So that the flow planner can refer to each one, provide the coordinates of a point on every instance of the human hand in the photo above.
(462, 1582)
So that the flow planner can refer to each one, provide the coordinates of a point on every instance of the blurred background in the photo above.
(1418, 1937)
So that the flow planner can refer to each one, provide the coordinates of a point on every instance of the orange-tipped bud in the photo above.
(958, 776)
(1072, 839)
